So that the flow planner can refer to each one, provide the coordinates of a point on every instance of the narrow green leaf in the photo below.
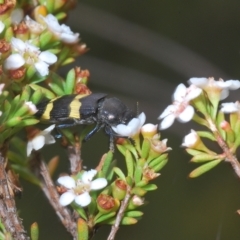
(203, 157)
(107, 163)
(25, 93)
(100, 217)
(81, 212)
(82, 229)
(138, 174)
(56, 88)
(70, 81)
(157, 160)
(37, 96)
(138, 191)
(119, 172)
(150, 187)
(130, 163)
(193, 152)
(27, 122)
(204, 168)
(25, 173)
(134, 214)
(47, 93)
(158, 167)
(146, 146)
(206, 134)
(34, 231)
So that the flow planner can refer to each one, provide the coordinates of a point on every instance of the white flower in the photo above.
(209, 84)
(191, 139)
(2, 26)
(33, 26)
(40, 139)
(78, 190)
(26, 53)
(1, 87)
(180, 108)
(230, 107)
(62, 32)
(149, 130)
(32, 107)
(132, 128)
(17, 15)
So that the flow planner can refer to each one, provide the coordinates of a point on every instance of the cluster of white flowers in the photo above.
(25, 53)
(181, 108)
(78, 189)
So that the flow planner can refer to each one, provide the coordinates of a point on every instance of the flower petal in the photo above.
(98, 183)
(67, 182)
(180, 92)
(14, 61)
(83, 200)
(66, 198)
(167, 122)
(29, 148)
(187, 114)
(169, 110)
(38, 142)
(88, 175)
(48, 57)
(42, 68)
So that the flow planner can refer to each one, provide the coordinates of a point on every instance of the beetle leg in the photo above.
(92, 132)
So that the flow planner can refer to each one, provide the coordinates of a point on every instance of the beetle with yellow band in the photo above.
(85, 109)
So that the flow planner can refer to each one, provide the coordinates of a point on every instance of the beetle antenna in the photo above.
(137, 108)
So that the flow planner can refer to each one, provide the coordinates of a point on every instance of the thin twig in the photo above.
(8, 211)
(230, 157)
(74, 154)
(51, 193)
(120, 214)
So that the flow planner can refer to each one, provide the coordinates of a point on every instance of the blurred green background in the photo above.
(140, 51)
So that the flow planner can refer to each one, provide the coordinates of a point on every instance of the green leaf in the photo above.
(25, 173)
(150, 187)
(146, 146)
(130, 163)
(70, 82)
(193, 152)
(138, 174)
(138, 191)
(81, 212)
(159, 166)
(82, 229)
(47, 93)
(158, 160)
(107, 163)
(203, 157)
(25, 93)
(37, 96)
(134, 214)
(204, 168)
(34, 231)
(119, 172)
(100, 217)
(206, 134)
(56, 88)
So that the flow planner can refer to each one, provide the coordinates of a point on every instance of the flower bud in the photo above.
(135, 202)
(149, 174)
(149, 130)
(107, 203)
(119, 188)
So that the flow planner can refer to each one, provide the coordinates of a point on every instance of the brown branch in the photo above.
(8, 211)
(51, 193)
(229, 156)
(74, 155)
(120, 214)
